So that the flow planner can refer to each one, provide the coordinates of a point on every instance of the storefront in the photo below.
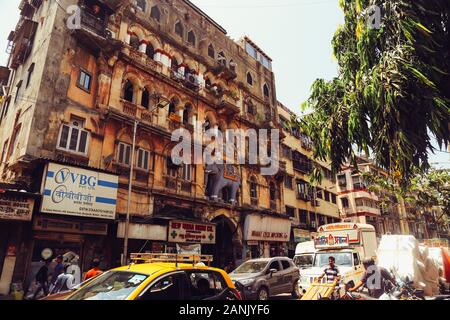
(16, 211)
(266, 236)
(76, 220)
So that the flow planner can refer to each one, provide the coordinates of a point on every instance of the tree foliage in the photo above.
(392, 95)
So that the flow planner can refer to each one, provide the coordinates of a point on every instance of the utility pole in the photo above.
(159, 105)
(130, 187)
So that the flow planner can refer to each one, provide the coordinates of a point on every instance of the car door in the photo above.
(288, 276)
(166, 288)
(275, 280)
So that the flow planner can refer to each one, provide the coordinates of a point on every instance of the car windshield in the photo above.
(251, 267)
(343, 259)
(303, 260)
(110, 286)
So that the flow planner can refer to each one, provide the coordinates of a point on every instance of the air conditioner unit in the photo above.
(192, 79)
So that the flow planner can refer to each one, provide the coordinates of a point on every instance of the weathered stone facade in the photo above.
(166, 65)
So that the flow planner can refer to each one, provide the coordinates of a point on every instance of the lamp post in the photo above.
(159, 105)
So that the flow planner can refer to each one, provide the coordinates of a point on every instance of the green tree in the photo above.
(392, 95)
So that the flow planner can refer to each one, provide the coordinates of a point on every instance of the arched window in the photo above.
(128, 92)
(145, 98)
(221, 59)
(134, 41)
(187, 113)
(208, 83)
(191, 38)
(173, 105)
(250, 108)
(249, 78)
(155, 13)
(253, 188)
(266, 91)
(211, 52)
(179, 30)
(208, 125)
(141, 4)
(273, 191)
(174, 64)
(187, 71)
(232, 65)
(150, 51)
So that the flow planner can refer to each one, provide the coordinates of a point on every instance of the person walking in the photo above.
(64, 282)
(59, 269)
(42, 280)
(95, 271)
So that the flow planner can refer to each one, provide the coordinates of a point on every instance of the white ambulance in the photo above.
(349, 244)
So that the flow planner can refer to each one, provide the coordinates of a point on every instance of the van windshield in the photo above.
(343, 259)
(304, 260)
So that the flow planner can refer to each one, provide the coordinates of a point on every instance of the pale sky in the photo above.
(296, 34)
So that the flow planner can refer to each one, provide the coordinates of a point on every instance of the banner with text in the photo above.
(78, 192)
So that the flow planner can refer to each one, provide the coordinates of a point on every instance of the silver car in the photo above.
(260, 279)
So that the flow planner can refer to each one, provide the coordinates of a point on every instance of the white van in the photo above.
(304, 255)
(349, 244)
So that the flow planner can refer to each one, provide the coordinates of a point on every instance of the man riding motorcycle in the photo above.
(375, 278)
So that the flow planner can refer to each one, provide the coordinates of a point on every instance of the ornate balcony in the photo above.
(223, 71)
(138, 112)
(22, 40)
(226, 105)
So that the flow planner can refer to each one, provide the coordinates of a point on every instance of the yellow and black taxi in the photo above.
(164, 277)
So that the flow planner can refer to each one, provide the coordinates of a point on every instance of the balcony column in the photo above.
(165, 60)
(143, 47)
(128, 37)
(181, 112)
(157, 56)
(138, 95)
(201, 80)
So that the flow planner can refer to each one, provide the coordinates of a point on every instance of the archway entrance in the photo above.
(223, 250)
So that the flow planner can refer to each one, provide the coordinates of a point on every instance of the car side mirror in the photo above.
(272, 271)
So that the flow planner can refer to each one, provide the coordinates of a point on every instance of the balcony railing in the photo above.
(303, 196)
(177, 185)
(93, 23)
(359, 186)
(137, 112)
(23, 41)
(227, 106)
(224, 71)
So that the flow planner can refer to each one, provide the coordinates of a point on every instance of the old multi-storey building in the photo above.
(89, 80)
(309, 204)
(383, 210)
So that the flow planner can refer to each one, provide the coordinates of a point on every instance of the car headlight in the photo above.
(247, 282)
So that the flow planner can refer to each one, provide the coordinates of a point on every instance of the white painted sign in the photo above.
(78, 192)
(191, 232)
(265, 228)
(143, 232)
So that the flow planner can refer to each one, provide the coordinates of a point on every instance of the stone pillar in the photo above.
(128, 38)
(157, 56)
(165, 60)
(143, 47)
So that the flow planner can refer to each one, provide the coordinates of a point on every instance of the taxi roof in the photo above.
(152, 268)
